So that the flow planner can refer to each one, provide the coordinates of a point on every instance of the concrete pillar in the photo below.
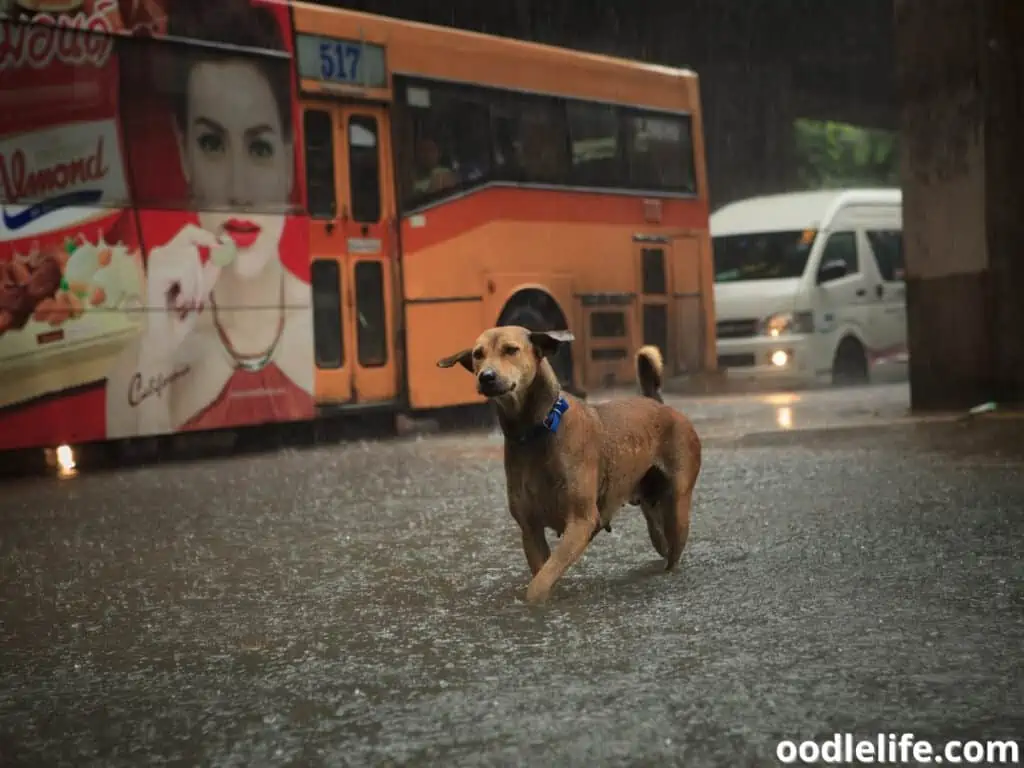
(959, 78)
(1003, 79)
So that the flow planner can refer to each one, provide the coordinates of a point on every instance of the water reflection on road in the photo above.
(361, 605)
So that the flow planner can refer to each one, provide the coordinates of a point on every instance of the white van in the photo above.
(809, 287)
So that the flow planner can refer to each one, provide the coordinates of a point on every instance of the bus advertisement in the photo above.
(225, 214)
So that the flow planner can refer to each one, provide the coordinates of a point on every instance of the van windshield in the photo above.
(761, 256)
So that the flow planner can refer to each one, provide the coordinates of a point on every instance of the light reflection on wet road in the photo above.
(361, 605)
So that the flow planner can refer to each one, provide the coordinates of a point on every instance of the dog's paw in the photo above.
(536, 594)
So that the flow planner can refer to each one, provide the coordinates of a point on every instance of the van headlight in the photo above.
(787, 323)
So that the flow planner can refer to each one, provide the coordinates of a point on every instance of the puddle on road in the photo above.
(368, 598)
(471, 446)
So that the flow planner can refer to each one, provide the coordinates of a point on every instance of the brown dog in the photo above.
(570, 466)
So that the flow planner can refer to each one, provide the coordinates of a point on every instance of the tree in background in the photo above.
(831, 154)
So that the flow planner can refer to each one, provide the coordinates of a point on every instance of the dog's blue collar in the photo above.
(554, 417)
(550, 424)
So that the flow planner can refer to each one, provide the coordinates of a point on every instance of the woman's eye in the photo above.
(210, 142)
(261, 148)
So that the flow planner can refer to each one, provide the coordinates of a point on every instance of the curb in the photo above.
(775, 436)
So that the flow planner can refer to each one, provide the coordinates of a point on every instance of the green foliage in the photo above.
(830, 154)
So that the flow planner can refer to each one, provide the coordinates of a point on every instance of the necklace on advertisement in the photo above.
(257, 362)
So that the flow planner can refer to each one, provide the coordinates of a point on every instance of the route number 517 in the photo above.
(340, 61)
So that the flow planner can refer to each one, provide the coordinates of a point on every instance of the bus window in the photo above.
(530, 139)
(653, 269)
(594, 130)
(328, 344)
(659, 152)
(451, 141)
(320, 196)
(371, 325)
(364, 169)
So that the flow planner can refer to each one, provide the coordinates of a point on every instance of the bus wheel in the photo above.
(536, 311)
(850, 367)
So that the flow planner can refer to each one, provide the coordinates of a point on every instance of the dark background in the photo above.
(763, 64)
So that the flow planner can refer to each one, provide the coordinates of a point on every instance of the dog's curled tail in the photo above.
(649, 369)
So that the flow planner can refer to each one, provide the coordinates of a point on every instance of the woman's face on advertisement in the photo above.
(235, 155)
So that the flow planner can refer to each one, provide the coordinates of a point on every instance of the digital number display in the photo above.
(346, 62)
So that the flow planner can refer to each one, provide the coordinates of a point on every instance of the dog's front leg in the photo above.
(535, 545)
(574, 540)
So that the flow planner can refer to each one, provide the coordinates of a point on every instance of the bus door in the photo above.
(352, 242)
(671, 310)
(686, 317)
(655, 295)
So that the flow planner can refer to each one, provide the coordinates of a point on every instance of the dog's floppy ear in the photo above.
(463, 358)
(547, 342)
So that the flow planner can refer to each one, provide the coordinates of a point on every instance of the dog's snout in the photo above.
(489, 383)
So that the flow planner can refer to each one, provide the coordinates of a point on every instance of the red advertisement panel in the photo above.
(153, 275)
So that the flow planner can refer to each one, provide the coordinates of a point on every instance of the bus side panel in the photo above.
(708, 302)
(433, 331)
(707, 271)
(89, 347)
(583, 238)
(64, 187)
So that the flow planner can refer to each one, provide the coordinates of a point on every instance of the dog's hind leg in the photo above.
(535, 545)
(654, 495)
(599, 528)
(676, 516)
(654, 516)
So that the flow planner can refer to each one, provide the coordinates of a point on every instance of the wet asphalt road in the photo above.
(361, 605)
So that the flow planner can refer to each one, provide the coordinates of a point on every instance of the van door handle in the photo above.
(861, 292)
(879, 290)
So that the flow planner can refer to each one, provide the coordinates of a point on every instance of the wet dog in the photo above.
(570, 466)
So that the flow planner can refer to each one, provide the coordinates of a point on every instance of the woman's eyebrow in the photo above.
(213, 125)
(256, 130)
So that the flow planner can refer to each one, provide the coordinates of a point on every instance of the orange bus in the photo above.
(243, 212)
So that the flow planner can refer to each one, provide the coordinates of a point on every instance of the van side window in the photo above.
(841, 246)
(887, 245)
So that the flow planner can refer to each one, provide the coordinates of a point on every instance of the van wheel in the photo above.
(539, 318)
(850, 367)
